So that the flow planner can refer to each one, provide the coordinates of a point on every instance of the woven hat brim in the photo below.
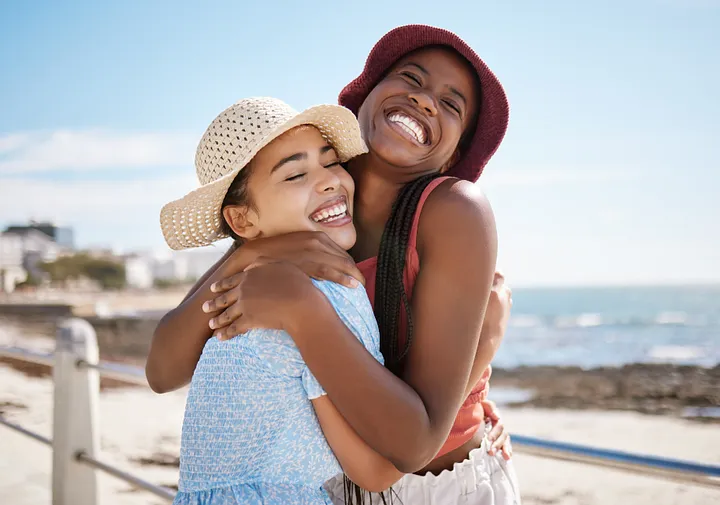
(195, 220)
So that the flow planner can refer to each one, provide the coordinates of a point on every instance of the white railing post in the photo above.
(75, 414)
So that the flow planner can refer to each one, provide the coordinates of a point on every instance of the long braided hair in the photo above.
(391, 297)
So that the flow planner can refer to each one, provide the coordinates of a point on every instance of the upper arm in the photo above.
(457, 245)
(354, 309)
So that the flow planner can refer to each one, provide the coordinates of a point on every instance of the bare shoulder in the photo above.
(457, 211)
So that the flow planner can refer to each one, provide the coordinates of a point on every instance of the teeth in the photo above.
(409, 125)
(331, 214)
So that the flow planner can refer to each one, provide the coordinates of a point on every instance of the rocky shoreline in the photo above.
(686, 391)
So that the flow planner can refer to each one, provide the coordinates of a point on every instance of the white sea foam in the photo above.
(675, 353)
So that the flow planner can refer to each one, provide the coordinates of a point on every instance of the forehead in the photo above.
(443, 63)
(299, 140)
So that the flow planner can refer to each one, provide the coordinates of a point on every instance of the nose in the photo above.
(327, 181)
(424, 101)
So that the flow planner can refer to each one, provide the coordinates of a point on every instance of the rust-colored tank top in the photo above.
(470, 417)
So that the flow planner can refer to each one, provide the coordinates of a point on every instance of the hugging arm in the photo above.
(180, 336)
(405, 419)
(362, 464)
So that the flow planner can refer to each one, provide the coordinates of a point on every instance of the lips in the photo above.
(411, 125)
(332, 210)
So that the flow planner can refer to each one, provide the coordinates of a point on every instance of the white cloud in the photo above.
(13, 141)
(88, 150)
(125, 213)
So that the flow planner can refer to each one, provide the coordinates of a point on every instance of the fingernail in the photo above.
(354, 282)
(213, 287)
(206, 307)
(212, 324)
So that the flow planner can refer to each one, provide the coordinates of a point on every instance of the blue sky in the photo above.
(608, 174)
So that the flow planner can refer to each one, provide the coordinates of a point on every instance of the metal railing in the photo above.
(75, 444)
(76, 439)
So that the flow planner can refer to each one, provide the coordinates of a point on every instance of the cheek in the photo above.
(346, 181)
(364, 118)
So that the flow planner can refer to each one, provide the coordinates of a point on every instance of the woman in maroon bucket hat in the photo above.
(432, 114)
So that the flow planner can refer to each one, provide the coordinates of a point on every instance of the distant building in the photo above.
(10, 277)
(174, 269)
(200, 260)
(62, 236)
(139, 272)
(21, 251)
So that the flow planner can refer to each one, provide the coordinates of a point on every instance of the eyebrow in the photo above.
(458, 94)
(419, 67)
(298, 157)
(454, 91)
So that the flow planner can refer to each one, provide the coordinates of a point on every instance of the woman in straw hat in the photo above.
(432, 114)
(258, 428)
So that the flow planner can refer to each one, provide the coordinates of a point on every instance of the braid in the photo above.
(390, 294)
(390, 297)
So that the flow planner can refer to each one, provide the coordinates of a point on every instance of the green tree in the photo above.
(110, 274)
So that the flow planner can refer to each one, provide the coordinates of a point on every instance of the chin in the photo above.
(392, 155)
(343, 238)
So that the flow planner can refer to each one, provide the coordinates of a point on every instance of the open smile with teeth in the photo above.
(330, 214)
(409, 125)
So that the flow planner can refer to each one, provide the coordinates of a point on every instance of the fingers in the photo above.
(498, 279)
(497, 437)
(491, 411)
(240, 325)
(231, 331)
(335, 269)
(498, 427)
(221, 302)
(226, 284)
(226, 318)
(507, 449)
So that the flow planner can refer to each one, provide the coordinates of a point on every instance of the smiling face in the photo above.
(295, 183)
(416, 115)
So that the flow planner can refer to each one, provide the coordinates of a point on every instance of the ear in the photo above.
(454, 158)
(242, 220)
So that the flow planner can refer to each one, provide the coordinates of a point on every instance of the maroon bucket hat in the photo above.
(494, 109)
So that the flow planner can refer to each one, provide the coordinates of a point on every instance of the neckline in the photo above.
(367, 261)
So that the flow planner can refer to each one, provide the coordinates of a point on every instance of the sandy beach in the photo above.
(140, 432)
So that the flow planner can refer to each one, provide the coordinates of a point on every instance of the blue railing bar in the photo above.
(39, 358)
(669, 469)
(117, 371)
(162, 492)
(26, 432)
(621, 456)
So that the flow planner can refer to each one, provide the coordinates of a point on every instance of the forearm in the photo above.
(488, 346)
(386, 413)
(363, 465)
(181, 334)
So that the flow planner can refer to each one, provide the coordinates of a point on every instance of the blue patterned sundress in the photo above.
(250, 435)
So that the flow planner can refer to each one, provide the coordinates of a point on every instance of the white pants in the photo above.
(479, 480)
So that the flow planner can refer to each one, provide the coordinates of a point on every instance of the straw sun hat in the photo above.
(229, 143)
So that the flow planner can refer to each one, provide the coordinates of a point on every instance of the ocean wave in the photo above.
(676, 353)
(591, 320)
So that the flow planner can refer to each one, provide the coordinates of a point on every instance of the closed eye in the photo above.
(295, 177)
(412, 77)
(333, 164)
(452, 105)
